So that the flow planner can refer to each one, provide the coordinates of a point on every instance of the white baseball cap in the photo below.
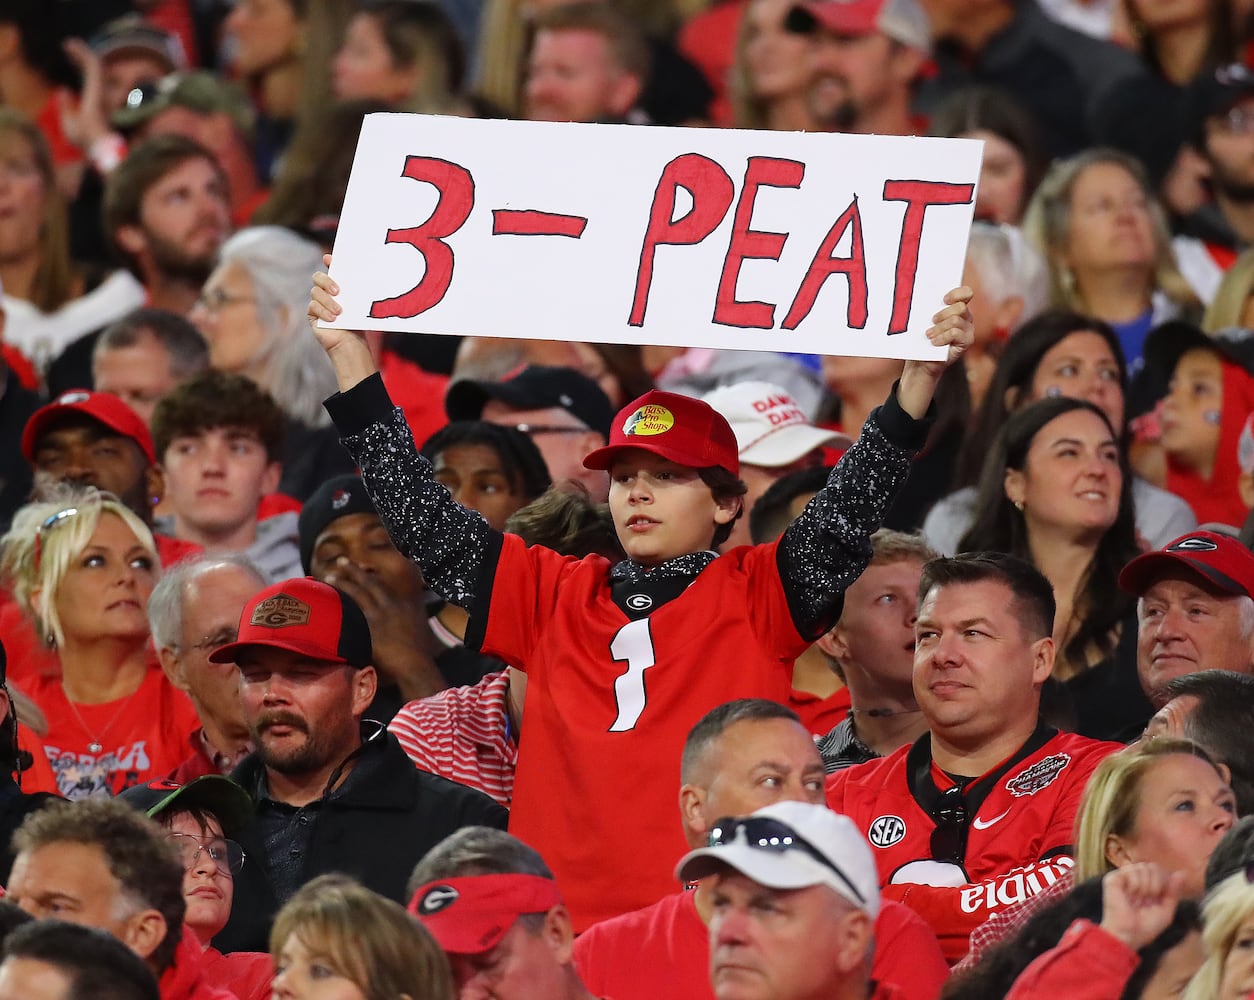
(771, 429)
(792, 845)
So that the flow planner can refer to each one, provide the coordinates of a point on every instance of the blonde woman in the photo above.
(1233, 303)
(1162, 800)
(81, 566)
(1095, 220)
(335, 938)
(1228, 937)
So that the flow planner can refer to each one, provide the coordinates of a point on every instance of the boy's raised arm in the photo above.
(451, 544)
(350, 357)
(829, 545)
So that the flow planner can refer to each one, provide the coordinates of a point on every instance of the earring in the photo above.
(1019, 506)
(50, 640)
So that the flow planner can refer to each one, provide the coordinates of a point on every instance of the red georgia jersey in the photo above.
(1019, 833)
(611, 698)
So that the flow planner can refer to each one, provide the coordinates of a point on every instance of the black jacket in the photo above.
(375, 827)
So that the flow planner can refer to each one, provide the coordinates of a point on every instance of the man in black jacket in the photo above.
(333, 792)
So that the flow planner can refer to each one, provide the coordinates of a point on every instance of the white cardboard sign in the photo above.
(777, 241)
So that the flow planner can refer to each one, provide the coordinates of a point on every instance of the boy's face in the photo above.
(215, 478)
(662, 510)
(1192, 409)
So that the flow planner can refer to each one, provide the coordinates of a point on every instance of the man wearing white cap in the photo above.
(795, 901)
(773, 437)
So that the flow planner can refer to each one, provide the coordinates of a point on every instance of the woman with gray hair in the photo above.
(1011, 287)
(251, 313)
(1104, 237)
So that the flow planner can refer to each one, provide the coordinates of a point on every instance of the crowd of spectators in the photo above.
(361, 666)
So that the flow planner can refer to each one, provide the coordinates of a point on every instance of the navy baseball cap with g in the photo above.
(304, 616)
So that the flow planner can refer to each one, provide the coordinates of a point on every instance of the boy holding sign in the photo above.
(623, 659)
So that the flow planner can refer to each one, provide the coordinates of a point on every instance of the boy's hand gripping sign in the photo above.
(775, 241)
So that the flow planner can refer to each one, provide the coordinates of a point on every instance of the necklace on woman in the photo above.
(96, 745)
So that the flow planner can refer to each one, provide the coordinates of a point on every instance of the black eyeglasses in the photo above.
(949, 839)
(226, 855)
(766, 834)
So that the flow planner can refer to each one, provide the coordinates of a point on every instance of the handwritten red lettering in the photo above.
(456, 199)
(751, 244)
(712, 192)
(918, 196)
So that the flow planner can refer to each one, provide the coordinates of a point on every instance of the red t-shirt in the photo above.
(144, 736)
(1019, 838)
(664, 951)
(610, 700)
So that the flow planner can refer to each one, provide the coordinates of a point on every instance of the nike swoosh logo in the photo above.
(980, 824)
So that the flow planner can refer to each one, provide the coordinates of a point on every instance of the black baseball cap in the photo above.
(336, 498)
(1215, 93)
(1168, 342)
(536, 387)
(212, 793)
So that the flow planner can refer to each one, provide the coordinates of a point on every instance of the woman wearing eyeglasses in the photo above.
(82, 566)
(251, 314)
(200, 817)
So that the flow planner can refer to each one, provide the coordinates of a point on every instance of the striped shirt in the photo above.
(462, 734)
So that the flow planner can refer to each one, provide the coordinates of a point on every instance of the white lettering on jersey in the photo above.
(633, 643)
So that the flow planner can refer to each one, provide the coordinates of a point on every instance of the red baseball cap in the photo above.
(903, 21)
(304, 616)
(1219, 559)
(101, 407)
(687, 431)
(467, 916)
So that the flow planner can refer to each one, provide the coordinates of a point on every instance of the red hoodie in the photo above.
(187, 977)
(1218, 499)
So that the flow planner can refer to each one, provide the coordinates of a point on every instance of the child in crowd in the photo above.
(622, 659)
(1210, 394)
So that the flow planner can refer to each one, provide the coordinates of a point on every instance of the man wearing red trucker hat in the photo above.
(1195, 609)
(622, 660)
(331, 790)
(492, 904)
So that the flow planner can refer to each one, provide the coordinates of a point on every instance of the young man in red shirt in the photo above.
(622, 660)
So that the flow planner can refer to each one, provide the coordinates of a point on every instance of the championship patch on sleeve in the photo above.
(1039, 775)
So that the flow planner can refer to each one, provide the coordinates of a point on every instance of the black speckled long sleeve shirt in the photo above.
(820, 555)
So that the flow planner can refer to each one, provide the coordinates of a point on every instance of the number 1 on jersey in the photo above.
(634, 644)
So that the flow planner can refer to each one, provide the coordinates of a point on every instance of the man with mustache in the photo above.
(332, 791)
